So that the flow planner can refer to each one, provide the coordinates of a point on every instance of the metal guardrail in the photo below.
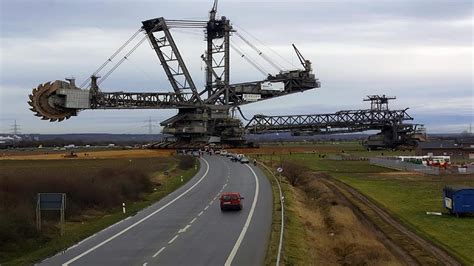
(470, 170)
(282, 201)
(404, 166)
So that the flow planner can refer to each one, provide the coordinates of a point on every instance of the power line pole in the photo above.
(150, 125)
(15, 128)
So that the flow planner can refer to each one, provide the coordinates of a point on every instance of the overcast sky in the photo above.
(419, 51)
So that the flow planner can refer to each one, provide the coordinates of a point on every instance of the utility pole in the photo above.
(15, 128)
(149, 125)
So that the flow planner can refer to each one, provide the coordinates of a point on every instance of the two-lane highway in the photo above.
(187, 227)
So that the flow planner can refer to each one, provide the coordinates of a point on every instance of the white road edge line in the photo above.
(193, 220)
(207, 207)
(159, 251)
(139, 221)
(199, 214)
(232, 254)
(173, 239)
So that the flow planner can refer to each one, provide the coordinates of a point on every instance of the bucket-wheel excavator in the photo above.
(204, 115)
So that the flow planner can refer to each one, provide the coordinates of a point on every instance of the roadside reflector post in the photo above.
(123, 207)
(181, 179)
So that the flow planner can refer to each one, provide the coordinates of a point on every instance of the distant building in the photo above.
(459, 148)
(7, 142)
(5, 145)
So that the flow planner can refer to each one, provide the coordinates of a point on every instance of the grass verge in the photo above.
(274, 241)
(295, 244)
(294, 250)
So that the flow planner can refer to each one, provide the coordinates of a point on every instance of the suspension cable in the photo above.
(268, 47)
(186, 23)
(187, 31)
(121, 60)
(248, 59)
(260, 53)
(112, 56)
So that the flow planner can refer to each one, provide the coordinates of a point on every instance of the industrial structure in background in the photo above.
(394, 131)
(207, 115)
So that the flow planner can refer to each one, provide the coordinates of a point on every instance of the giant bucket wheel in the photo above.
(43, 101)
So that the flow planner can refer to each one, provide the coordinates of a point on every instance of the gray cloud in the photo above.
(420, 51)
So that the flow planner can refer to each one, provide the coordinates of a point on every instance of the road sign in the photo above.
(52, 201)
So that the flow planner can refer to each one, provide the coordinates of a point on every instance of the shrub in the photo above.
(294, 173)
(89, 185)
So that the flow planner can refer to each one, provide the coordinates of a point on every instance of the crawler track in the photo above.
(440, 254)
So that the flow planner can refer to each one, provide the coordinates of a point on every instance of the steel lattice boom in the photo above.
(395, 131)
(343, 121)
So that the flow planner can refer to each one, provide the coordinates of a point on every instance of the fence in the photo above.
(399, 165)
(346, 158)
(466, 170)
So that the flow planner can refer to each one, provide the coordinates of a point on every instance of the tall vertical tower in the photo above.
(15, 129)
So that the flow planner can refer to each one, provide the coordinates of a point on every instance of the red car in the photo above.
(231, 200)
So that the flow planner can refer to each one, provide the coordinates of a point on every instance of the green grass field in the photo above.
(410, 197)
(406, 196)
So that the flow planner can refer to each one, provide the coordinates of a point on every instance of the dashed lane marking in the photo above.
(184, 229)
(173, 239)
(193, 220)
(247, 222)
(159, 251)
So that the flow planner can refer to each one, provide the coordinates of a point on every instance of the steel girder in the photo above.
(139, 100)
(343, 121)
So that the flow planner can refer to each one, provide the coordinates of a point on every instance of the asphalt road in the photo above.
(187, 227)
